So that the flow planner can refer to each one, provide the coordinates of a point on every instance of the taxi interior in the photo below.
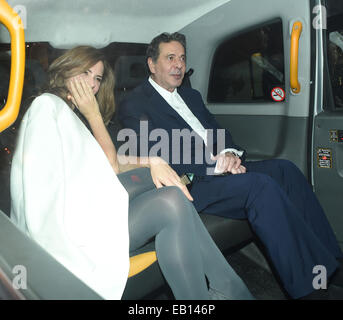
(234, 60)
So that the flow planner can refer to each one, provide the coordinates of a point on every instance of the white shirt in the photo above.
(66, 196)
(177, 103)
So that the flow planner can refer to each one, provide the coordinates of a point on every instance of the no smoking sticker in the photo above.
(324, 158)
(278, 94)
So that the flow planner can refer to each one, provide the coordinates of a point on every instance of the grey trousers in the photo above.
(185, 250)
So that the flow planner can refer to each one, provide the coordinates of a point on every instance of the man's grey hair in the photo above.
(153, 50)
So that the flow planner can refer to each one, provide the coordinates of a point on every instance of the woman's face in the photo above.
(93, 76)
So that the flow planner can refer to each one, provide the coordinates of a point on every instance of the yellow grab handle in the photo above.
(13, 23)
(141, 261)
(296, 31)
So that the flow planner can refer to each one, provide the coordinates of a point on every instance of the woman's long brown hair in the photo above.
(77, 61)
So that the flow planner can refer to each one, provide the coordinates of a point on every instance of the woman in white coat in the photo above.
(66, 194)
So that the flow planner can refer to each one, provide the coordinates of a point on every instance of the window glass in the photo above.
(335, 59)
(249, 67)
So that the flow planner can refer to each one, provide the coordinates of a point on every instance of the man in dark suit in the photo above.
(272, 194)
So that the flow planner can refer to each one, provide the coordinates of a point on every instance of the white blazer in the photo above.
(66, 196)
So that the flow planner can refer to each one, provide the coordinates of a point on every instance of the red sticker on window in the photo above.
(278, 94)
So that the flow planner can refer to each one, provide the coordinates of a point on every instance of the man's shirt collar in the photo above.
(167, 95)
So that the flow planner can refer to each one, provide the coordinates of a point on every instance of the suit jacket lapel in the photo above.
(161, 106)
(194, 107)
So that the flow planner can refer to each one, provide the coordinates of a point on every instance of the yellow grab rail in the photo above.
(13, 23)
(296, 32)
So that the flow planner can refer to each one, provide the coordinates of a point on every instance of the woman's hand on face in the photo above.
(163, 175)
(82, 97)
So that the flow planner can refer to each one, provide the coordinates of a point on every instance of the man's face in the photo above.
(169, 69)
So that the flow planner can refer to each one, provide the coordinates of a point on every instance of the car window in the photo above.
(249, 66)
(335, 60)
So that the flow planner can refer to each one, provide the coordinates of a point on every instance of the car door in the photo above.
(327, 143)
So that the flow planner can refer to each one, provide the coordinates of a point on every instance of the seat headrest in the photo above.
(130, 71)
(35, 72)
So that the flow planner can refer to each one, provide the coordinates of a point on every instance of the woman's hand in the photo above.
(163, 175)
(83, 98)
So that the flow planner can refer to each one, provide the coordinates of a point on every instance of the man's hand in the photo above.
(228, 162)
(163, 175)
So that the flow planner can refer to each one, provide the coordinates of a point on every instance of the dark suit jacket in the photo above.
(145, 103)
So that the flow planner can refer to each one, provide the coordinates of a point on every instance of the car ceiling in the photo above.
(66, 23)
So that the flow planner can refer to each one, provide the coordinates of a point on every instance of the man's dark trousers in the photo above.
(283, 212)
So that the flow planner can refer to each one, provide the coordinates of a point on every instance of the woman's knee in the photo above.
(156, 210)
(173, 203)
(172, 195)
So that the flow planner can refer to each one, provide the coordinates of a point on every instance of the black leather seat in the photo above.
(129, 72)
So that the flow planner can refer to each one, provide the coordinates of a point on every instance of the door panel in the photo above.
(263, 127)
(328, 168)
(327, 145)
(274, 136)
